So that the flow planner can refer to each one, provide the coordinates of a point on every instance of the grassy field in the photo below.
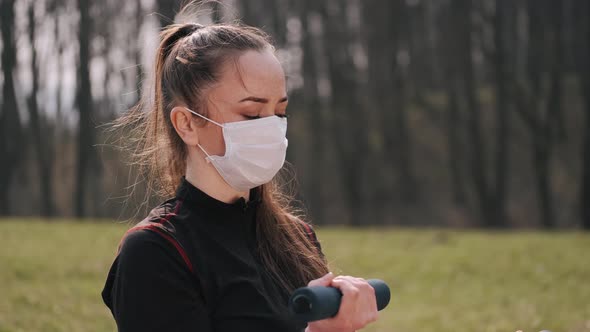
(51, 275)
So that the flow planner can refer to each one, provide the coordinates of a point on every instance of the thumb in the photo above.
(323, 281)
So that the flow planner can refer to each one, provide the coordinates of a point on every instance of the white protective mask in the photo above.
(255, 151)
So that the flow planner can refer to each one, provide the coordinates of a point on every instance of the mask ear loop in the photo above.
(199, 145)
(204, 117)
(205, 152)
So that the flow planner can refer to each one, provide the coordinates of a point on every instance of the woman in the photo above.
(225, 251)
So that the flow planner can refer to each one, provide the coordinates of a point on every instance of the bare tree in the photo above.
(41, 139)
(387, 94)
(584, 65)
(476, 143)
(502, 152)
(166, 11)
(11, 139)
(217, 12)
(399, 138)
(489, 176)
(311, 105)
(454, 120)
(138, 48)
(271, 15)
(85, 111)
(539, 104)
(350, 122)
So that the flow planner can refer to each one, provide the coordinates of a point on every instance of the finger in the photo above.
(361, 303)
(367, 296)
(375, 316)
(348, 313)
(346, 286)
(323, 281)
(364, 286)
(344, 277)
(360, 283)
(366, 300)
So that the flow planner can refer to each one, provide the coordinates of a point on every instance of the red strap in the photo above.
(155, 227)
(309, 231)
(170, 239)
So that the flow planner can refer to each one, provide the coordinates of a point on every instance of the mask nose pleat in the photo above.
(252, 156)
(254, 136)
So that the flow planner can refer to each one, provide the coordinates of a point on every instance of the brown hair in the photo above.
(188, 62)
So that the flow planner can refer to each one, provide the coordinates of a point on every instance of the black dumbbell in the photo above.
(309, 304)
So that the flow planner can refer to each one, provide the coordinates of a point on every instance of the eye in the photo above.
(254, 117)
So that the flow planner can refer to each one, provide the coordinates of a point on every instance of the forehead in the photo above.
(254, 73)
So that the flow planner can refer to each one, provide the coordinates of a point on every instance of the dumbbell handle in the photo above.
(309, 304)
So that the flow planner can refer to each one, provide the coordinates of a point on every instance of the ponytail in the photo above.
(160, 130)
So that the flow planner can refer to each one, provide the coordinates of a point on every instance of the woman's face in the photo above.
(254, 88)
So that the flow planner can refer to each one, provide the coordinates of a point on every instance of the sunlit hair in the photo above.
(188, 63)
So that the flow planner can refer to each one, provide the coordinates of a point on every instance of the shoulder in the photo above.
(145, 249)
(149, 287)
(147, 257)
(155, 237)
(143, 258)
(138, 240)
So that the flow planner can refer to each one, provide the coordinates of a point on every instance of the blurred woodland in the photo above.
(408, 112)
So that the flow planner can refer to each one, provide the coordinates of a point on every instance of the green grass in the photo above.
(51, 275)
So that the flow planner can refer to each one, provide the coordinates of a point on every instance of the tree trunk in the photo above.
(554, 118)
(477, 148)
(585, 79)
(270, 15)
(166, 12)
(502, 152)
(453, 129)
(11, 138)
(248, 12)
(536, 109)
(401, 141)
(217, 12)
(350, 134)
(541, 157)
(279, 14)
(138, 49)
(585, 191)
(378, 102)
(312, 107)
(386, 106)
(58, 81)
(84, 103)
(42, 140)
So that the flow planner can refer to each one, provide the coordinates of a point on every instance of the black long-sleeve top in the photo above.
(191, 265)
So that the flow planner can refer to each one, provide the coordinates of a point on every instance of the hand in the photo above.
(357, 308)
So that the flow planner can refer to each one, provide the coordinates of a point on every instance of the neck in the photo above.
(205, 177)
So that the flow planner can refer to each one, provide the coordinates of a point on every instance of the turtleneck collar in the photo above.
(195, 196)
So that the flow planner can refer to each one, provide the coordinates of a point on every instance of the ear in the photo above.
(186, 128)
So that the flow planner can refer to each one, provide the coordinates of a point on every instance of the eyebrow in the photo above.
(261, 100)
